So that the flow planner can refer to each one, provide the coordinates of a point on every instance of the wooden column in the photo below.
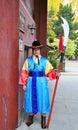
(9, 14)
(40, 16)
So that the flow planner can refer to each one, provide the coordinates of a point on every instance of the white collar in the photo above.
(36, 59)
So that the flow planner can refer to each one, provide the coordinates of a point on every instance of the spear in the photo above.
(65, 26)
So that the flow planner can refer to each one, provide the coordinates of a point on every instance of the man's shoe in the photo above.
(30, 120)
(43, 122)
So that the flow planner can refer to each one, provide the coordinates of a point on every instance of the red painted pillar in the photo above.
(40, 16)
(9, 14)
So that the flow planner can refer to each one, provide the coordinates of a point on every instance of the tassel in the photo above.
(60, 43)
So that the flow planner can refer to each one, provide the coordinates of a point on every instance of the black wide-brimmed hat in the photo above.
(36, 44)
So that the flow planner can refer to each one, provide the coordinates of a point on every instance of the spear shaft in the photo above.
(54, 93)
(65, 26)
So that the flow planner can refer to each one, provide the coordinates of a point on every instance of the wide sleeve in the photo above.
(49, 71)
(24, 74)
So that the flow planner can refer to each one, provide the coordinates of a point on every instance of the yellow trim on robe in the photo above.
(25, 66)
(48, 67)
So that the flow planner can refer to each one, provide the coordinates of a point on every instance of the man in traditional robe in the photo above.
(33, 80)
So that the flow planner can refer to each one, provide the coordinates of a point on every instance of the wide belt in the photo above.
(36, 74)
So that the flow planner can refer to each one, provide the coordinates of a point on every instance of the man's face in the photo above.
(36, 51)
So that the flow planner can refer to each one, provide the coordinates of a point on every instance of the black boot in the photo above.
(30, 120)
(43, 122)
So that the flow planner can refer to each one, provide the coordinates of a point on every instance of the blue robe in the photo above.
(40, 82)
(34, 76)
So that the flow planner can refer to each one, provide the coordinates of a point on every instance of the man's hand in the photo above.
(24, 87)
(58, 75)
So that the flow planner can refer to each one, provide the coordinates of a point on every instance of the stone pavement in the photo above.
(65, 111)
